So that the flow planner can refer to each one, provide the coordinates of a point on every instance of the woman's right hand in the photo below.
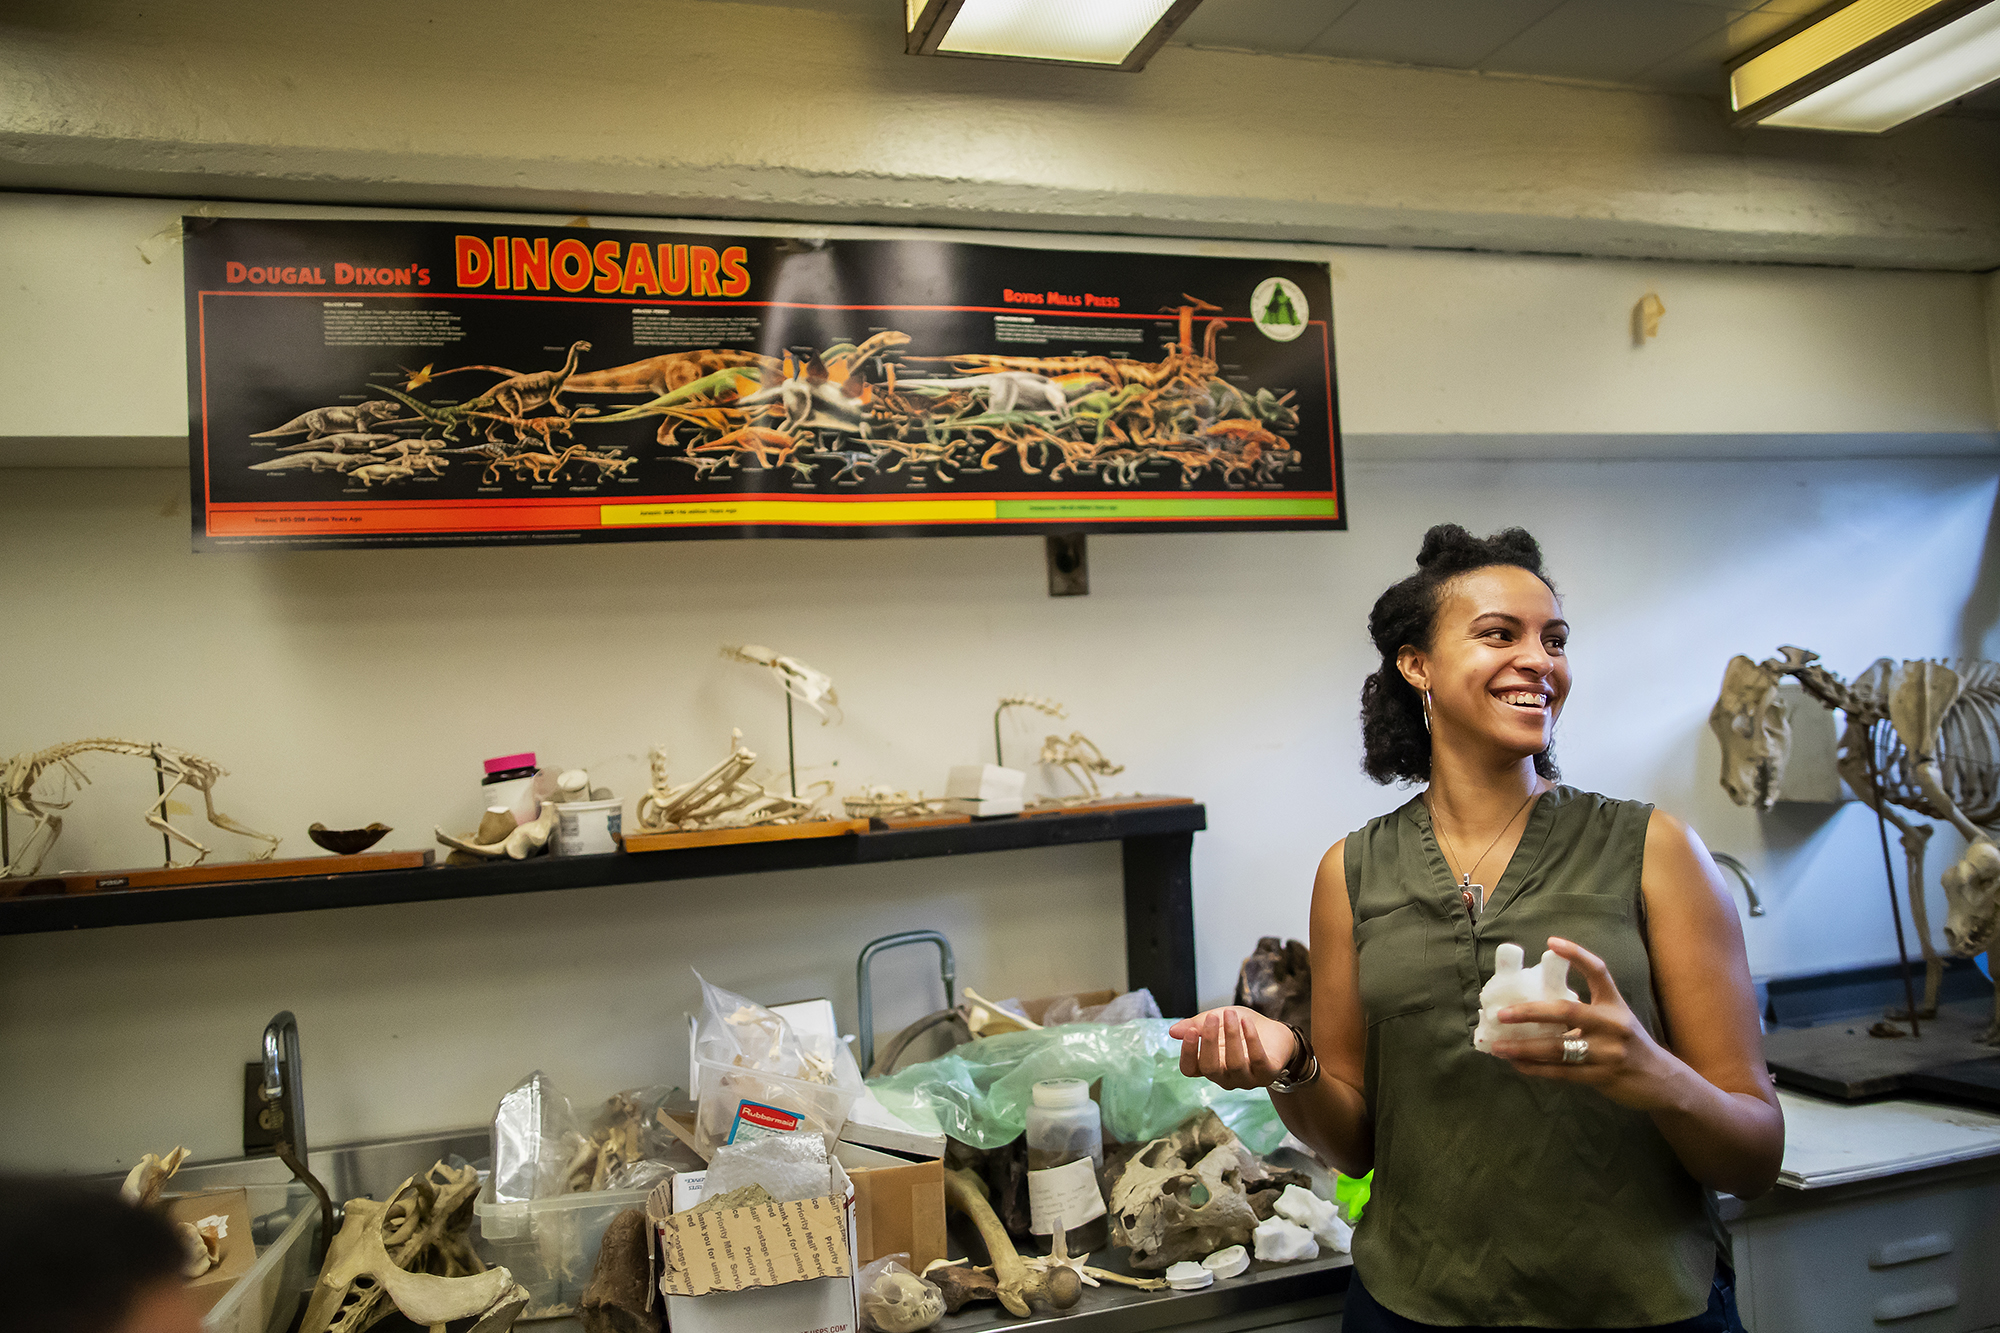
(1234, 1047)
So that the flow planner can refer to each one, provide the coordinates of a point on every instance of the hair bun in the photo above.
(1445, 540)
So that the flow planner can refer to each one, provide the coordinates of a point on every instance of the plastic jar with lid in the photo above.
(1065, 1156)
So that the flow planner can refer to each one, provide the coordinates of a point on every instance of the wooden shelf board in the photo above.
(211, 872)
(637, 843)
(315, 889)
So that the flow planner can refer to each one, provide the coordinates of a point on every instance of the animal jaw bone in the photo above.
(17, 788)
(723, 797)
(812, 688)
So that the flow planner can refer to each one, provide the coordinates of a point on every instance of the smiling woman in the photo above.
(1600, 1147)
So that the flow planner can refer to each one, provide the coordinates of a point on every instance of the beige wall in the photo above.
(1688, 492)
(686, 107)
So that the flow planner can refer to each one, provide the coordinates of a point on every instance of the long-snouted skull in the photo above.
(1751, 721)
(1972, 896)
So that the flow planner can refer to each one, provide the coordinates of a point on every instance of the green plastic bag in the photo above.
(980, 1093)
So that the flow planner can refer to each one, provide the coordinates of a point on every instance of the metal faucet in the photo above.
(1728, 862)
(280, 1112)
(864, 983)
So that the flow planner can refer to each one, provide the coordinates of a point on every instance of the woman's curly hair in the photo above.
(1396, 745)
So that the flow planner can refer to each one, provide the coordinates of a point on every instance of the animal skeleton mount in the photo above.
(1048, 707)
(812, 688)
(723, 797)
(1939, 757)
(1077, 755)
(17, 786)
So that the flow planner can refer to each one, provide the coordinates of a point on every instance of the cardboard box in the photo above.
(229, 1211)
(898, 1205)
(777, 1268)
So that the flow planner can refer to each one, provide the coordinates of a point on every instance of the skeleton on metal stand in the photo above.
(1939, 757)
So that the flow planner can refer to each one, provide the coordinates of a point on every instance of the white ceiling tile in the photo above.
(1259, 25)
(1455, 34)
(1698, 68)
(1611, 40)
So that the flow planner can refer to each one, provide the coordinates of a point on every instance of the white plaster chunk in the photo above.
(1281, 1242)
(1229, 1262)
(1513, 984)
(1189, 1276)
(1316, 1215)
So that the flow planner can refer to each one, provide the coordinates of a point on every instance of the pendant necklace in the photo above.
(1473, 895)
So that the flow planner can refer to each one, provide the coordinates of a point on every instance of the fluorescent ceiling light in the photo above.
(1870, 65)
(1104, 34)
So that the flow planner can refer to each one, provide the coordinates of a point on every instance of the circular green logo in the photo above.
(1279, 309)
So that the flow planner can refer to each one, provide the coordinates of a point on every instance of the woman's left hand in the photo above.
(1624, 1062)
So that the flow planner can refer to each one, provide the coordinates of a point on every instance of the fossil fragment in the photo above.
(1229, 1262)
(1306, 1209)
(1282, 1242)
(616, 1299)
(144, 1181)
(520, 844)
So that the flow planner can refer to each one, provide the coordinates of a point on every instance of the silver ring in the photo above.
(1575, 1051)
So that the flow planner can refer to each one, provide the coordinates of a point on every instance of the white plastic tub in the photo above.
(550, 1245)
(267, 1298)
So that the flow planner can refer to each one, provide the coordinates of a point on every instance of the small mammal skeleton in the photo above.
(1077, 755)
(811, 688)
(17, 788)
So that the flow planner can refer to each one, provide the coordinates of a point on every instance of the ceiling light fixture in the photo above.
(1869, 65)
(1096, 34)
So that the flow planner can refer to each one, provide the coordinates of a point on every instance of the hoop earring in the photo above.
(1427, 712)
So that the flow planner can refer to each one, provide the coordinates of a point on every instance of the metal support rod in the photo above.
(160, 785)
(999, 760)
(791, 751)
(1889, 870)
(864, 984)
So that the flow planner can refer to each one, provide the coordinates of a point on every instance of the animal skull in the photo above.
(812, 688)
(901, 1302)
(1751, 722)
(1153, 1202)
(1972, 891)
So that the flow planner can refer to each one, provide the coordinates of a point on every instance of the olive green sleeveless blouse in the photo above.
(1501, 1199)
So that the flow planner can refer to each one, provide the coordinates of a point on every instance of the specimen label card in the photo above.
(385, 383)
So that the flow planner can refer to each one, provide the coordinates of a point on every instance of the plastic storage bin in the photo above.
(268, 1297)
(550, 1245)
(734, 1103)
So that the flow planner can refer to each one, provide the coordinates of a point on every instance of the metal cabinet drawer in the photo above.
(1913, 1261)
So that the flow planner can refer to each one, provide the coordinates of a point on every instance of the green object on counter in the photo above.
(1352, 1194)
(980, 1093)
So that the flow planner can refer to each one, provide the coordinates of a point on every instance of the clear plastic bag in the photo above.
(1133, 1004)
(895, 1300)
(760, 1075)
(980, 1093)
(535, 1137)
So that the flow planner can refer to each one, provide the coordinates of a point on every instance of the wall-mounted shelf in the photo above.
(1159, 906)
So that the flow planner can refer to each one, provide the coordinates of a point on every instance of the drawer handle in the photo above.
(1912, 1303)
(1907, 1251)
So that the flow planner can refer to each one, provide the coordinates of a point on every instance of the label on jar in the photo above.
(1068, 1192)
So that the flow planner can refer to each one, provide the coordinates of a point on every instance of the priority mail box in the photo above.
(768, 1268)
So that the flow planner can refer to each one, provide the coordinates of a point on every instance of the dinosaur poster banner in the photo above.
(375, 383)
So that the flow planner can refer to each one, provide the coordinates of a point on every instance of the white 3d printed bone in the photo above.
(1514, 984)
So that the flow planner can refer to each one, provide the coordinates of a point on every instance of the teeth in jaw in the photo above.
(1532, 700)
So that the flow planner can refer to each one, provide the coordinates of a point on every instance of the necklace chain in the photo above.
(1465, 883)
